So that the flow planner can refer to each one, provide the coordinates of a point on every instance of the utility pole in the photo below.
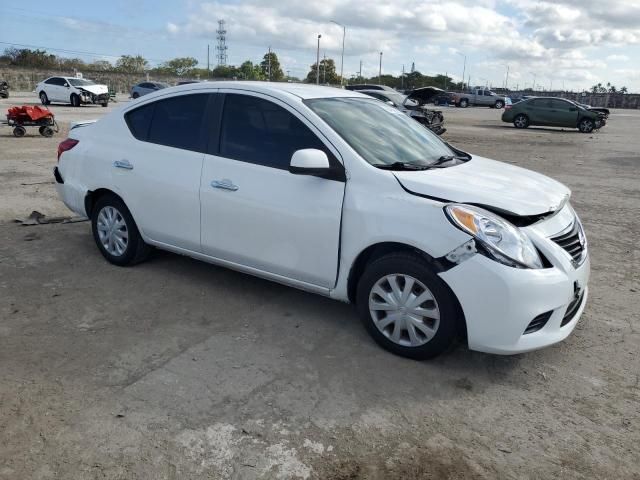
(318, 61)
(344, 34)
(360, 71)
(269, 55)
(288, 75)
(207, 60)
(402, 79)
(464, 68)
(446, 80)
(380, 70)
(506, 81)
(324, 69)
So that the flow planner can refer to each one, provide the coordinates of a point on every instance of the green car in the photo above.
(552, 112)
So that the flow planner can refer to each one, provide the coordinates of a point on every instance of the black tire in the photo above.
(75, 100)
(44, 99)
(104, 104)
(41, 129)
(19, 131)
(415, 266)
(135, 95)
(136, 250)
(586, 125)
(47, 132)
(464, 103)
(499, 104)
(521, 121)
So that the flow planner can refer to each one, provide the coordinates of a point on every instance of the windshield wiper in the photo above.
(401, 166)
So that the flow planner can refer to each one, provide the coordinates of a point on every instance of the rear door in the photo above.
(254, 211)
(54, 89)
(157, 171)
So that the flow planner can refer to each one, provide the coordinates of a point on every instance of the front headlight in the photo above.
(501, 240)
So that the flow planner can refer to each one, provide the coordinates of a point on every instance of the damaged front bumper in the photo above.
(87, 97)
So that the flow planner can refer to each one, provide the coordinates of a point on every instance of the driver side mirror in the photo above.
(310, 161)
(66, 85)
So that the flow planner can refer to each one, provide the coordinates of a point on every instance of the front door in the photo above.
(255, 212)
(565, 114)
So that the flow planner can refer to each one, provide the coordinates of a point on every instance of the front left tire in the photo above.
(116, 233)
(405, 307)
(586, 125)
(75, 100)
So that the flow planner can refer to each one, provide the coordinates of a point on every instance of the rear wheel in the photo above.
(464, 103)
(44, 99)
(586, 125)
(499, 104)
(115, 232)
(135, 95)
(75, 100)
(521, 121)
(46, 131)
(405, 307)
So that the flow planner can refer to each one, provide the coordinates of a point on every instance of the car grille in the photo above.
(573, 242)
(538, 322)
(572, 309)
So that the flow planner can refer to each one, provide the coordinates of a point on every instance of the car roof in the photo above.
(301, 90)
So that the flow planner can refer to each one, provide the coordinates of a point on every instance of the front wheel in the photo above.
(586, 125)
(104, 104)
(464, 103)
(116, 233)
(19, 131)
(75, 100)
(405, 307)
(521, 121)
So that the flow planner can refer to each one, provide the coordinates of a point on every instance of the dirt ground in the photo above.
(176, 369)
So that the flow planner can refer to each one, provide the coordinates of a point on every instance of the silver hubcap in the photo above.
(404, 310)
(112, 230)
(586, 125)
(520, 122)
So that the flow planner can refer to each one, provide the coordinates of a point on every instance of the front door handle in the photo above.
(224, 184)
(123, 164)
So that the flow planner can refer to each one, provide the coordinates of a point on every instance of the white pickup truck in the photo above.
(479, 96)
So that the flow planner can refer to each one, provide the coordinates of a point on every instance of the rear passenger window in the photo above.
(258, 131)
(177, 122)
(139, 121)
(174, 122)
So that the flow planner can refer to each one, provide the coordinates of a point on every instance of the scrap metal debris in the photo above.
(37, 218)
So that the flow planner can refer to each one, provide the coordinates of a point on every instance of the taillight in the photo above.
(66, 145)
(507, 107)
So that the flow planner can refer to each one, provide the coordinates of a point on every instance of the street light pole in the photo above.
(464, 67)
(344, 34)
(380, 70)
(318, 62)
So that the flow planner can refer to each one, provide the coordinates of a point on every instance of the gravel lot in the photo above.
(177, 369)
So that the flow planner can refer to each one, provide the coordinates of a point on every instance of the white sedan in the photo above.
(76, 91)
(339, 194)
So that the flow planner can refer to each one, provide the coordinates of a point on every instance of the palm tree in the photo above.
(612, 89)
(623, 90)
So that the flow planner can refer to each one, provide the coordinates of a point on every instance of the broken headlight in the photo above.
(499, 239)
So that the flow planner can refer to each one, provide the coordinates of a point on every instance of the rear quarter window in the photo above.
(139, 121)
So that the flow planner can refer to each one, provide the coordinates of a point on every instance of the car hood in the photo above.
(96, 89)
(424, 94)
(494, 185)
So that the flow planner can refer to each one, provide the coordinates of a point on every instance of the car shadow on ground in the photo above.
(535, 129)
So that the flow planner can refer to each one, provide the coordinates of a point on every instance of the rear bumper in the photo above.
(71, 196)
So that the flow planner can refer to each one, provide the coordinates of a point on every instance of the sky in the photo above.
(570, 44)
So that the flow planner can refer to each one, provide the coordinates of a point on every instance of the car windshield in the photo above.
(80, 82)
(381, 134)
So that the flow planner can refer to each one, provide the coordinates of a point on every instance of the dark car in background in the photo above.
(553, 112)
(144, 88)
(414, 104)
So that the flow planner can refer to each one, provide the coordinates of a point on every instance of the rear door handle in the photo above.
(123, 164)
(224, 184)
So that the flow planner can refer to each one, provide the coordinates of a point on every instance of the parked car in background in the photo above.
(413, 105)
(143, 88)
(365, 86)
(553, 112)
(444, 98)
(479, 96)
(339, 194)
(76, 91)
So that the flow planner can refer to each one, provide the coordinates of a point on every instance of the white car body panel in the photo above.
(307, 232)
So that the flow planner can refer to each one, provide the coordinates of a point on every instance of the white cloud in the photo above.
(618, 58)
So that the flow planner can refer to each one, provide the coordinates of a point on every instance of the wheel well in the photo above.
(92, 197)
(378, 250)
